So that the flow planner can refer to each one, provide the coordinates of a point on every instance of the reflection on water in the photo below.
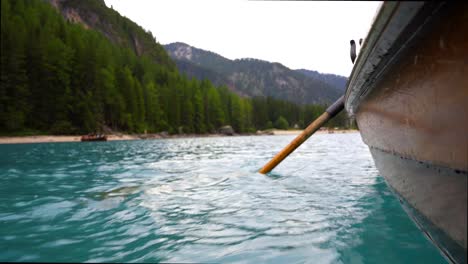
(201, 200)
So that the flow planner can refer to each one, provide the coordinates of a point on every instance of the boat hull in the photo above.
(434, 196)
(409, 96)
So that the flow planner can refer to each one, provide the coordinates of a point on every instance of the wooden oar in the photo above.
(331, 111)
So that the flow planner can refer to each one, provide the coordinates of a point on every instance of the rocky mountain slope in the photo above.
(120, 30)
(253, 77)
(336, 81)
(246, 77)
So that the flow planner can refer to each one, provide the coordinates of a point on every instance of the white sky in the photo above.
(313, 35)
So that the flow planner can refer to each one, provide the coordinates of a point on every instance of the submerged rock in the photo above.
(122, 192)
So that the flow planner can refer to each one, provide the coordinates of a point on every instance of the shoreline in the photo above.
(65, 138)
(278, 132)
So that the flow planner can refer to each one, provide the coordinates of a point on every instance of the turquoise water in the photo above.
(201, 200)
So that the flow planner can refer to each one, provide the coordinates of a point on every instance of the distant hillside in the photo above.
(336, 81)
(246, 77)
(253, 77)
(94, 14)
(78, 67)
(200, 72)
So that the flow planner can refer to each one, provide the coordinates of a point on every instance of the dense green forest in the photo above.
(58, 77)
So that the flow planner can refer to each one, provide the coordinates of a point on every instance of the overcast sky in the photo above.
(312, 35)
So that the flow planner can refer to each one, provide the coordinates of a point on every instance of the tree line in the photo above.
(58, 77)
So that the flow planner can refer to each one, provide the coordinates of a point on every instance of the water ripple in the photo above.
(202, 200)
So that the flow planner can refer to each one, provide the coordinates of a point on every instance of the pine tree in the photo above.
(281, 123)
(14, 81)
(199, 112)
(214, 109)
(58, 77)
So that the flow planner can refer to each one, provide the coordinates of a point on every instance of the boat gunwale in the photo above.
(382, 48)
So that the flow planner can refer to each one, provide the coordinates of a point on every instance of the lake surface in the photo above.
(201, 200)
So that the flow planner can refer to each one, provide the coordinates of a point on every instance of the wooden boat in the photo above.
(409, 94)
(93, 137)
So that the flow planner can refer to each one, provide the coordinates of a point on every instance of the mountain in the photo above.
(253, 77)
(95, 15)
(246, 77)
(332, 79)
(76, 66)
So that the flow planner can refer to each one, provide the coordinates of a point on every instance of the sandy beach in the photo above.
(45, 139)
(53, 138)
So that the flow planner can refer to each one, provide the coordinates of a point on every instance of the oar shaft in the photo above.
(331, 111)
